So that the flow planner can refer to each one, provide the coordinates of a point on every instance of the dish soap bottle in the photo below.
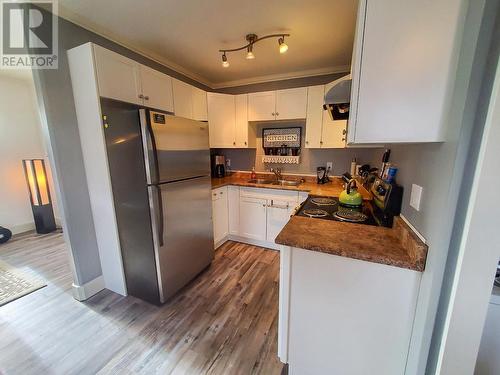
(253, 176)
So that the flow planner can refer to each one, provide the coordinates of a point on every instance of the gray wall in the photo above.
(245, 159)
(283, 84)
(56, 103)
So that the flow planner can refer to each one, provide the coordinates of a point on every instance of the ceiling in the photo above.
(186, 35)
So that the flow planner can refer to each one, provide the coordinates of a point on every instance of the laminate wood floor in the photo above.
(224, 322)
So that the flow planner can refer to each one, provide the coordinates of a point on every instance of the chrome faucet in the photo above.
(277, 173)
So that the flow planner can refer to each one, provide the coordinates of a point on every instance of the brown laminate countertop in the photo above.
(330, 189)
(397, 246)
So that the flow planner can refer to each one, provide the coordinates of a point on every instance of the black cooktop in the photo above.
(329, 208)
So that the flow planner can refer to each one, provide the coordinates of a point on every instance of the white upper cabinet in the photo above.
(156, 89)
(117, 76)
(200, 107)
(124, 79)
(277, 105)
(241, 121)
(228, 121)
(262, 106)
(321, 130)
(404, 63)
(189, 101)
(291, 103)
(221, 120)
(183, 98)
(314, 119)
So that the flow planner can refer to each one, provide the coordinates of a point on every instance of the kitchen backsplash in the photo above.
(245, 159)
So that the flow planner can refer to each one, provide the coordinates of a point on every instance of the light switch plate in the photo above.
(330, 165)
(416, 196)
(228, 162)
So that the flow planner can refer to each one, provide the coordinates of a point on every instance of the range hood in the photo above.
(337, 99)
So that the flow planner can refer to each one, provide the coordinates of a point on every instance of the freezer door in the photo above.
(181, 214)
(175, 148)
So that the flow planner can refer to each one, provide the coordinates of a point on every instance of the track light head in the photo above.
(225, 63)
(250, 55)
(282, 45)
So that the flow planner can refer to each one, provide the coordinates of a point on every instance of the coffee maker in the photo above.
(218, 166)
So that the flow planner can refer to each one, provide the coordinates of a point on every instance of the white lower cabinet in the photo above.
(220, 215)
(233, 199)
(253, 218)
(252, 215)
(339, 315)
(278, 214)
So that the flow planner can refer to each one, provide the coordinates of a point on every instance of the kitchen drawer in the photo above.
(262, 193)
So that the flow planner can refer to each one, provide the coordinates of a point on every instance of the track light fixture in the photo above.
(252, 39)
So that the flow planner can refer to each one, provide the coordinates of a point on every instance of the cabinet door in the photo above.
(220, 214)
(401, 94)
(314, 119)
(278, 214)
(117, 76)
(334, 133)
(183, 99)
(233, 202)
(291, 103)
(157, 89)
(199, 98)
(262, 106)
(253, 218)
(241, 120)
(221, 117)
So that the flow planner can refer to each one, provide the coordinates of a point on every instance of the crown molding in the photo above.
(283, 76)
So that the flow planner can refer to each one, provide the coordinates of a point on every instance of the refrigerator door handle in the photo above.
(149, 148)
(159, 212)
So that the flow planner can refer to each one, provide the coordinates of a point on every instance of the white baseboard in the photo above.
(21, 228)
(87, 290)
(250, 241)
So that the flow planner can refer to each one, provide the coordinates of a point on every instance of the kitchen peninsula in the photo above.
(346, 290)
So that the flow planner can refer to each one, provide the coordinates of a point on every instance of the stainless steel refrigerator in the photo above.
(160, 173)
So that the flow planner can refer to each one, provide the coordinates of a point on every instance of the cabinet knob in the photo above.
(344, 132)
(320, 142)
(277, 114)
(343, 139)
(141, 96)
(245, 143)
(234, 143)
(307, 142)
(146, 97)
(273, 113)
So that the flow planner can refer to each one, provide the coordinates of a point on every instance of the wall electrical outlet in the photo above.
(330, 165)
(416, 196)
(228, 162)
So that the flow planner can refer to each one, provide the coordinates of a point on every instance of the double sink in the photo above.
(274, 182)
